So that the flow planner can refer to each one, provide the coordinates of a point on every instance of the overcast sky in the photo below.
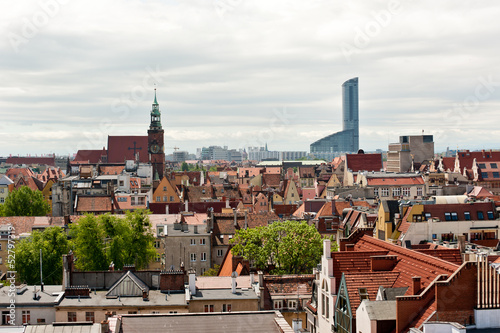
(246, 72)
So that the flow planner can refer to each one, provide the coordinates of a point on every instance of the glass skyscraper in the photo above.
(348, 139)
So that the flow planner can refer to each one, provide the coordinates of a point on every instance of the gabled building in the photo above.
(345, 279)
(166, 192)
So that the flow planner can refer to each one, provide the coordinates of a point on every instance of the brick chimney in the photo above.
(415, 286)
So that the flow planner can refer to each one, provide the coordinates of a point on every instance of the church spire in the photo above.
(155, 102)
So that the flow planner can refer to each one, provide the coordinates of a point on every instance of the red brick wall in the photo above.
(456, 299)
(172, 281)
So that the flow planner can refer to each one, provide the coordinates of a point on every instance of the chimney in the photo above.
(111, 267)
(227, 203)
(461, 243)
(166, 209)
(186, 203)
(415, 285)
(192, 281)
(234, 275)
(104, 326)
(252, 278)
(195, 229)
(235, 217)
(246, 219)
(297, 325)
(327, 248)
(145, 295)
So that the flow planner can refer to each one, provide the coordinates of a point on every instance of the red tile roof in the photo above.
(371, 282)
(111, 170)
(410, 263)
(121, 148)
(364, 162)
(348, 262)
(90, 156)
(395, 180)
(94, 204)
(32, 160)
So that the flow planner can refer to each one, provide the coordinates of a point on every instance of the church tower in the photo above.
(156, 148)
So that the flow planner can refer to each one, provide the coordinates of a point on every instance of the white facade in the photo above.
(487, 318)
(326, 291)
(363, 322)
(431, 229)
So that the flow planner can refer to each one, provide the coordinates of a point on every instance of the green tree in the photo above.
(54, 243)
(184, 166)
(89, 244)
(25, 202)
(212, 271)
(140, 249)
(100, 240)
(292, 247)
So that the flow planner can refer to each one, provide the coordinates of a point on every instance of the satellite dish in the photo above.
(234, 274)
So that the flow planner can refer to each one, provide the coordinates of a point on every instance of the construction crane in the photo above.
(174, 148)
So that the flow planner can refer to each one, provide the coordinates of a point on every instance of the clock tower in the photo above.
(156, 149)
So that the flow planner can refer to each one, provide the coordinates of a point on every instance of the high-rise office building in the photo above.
(346, 140)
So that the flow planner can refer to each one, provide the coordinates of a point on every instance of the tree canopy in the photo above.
(53, 243)
(291, 247)
(99, 240)
(25, 202)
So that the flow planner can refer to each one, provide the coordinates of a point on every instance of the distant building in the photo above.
(411, 150)
(180, 156)
(348, 139)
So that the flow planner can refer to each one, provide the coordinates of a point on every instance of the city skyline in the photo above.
(240, 73)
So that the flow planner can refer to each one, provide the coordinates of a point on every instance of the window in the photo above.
(292, 304)
(132, 312)
(71, 317)
(328, 224)
(467, 216)
(482, 165)
(278, 304)
(171, 198)
(454, 216)
(484, 175)
(155, 312)
(0, 246)
(157, 244)
(5, 317)
(26, 317)
(40, 321)
(406, 191)
(172, 311)
(447, 216)
(396, 192)
(89, 316)
(158, 257)
(202, 241)
(226, 307)
(480, 215)
(209, 308)
(164, 188)
(193, 241)
(496, 174)
(490, 215)
(363, 294)
(2, 200)
(193, 257)
(420, 191)
(158, 199)
(219, 253)
(165, 198)
(1, 190)
(203, 256)
(375, 192)
(493, 166)
(384, 192)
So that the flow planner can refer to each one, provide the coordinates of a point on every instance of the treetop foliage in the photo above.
(291, 247)
(24, 202)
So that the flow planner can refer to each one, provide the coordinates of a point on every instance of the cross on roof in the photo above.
(135, 148)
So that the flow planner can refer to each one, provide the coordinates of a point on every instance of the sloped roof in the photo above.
(364, 162)
(390, 180)
(128, 285)
(369, 281)
(90, 156)
(121, 148)
(94, 204)
(198, 193)
(4, 180)
(32, 160)
(410, 263)
(271, 179)
(352, 262)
